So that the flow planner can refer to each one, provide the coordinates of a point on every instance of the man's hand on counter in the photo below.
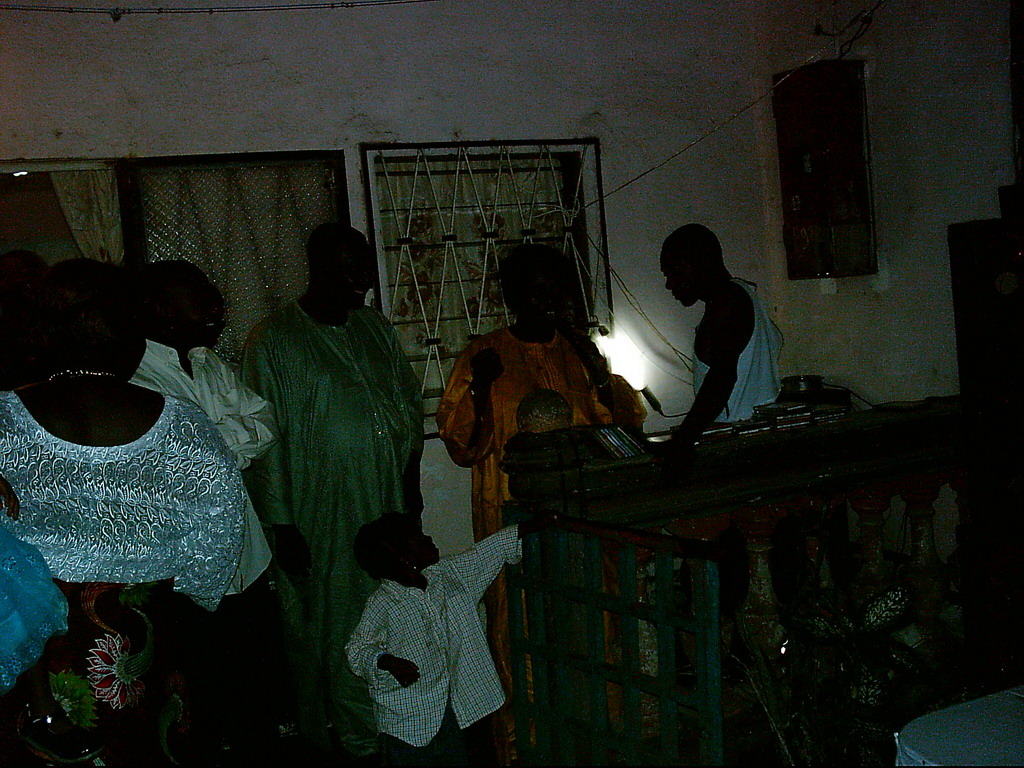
(677, 456)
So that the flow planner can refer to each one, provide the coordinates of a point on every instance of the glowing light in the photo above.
(20, 173)
(625, 358)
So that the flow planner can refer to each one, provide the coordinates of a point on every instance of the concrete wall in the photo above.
(647, 77)
(940, 129)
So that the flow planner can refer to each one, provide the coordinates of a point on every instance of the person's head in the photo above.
(86, 308)
(691, 260)
(20, 269)
(20, 274)
(543, 410)
(537, 283)
(341, 263)
(179, 306)
(393, 545)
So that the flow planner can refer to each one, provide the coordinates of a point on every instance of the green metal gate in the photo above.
(616, 647)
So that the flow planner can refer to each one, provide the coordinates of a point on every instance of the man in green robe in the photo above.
(350, 419)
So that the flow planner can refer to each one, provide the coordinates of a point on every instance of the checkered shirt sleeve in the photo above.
(440, 631)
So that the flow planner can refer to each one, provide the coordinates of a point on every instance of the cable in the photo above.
(865, 18)
(847, 389)
(865, 22)
(117, 13)
(634, 302)
(810, 59)
(859, 16)
(686, 360)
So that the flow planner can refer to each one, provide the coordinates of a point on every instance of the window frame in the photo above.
(596, 252)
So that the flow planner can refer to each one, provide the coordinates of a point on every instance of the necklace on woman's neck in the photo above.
(75, 374)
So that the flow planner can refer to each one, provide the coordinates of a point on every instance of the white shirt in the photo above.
(757, 370)
(244, 419)
(439, 630)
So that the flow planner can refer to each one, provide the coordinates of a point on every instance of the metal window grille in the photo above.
(244, 223)
(443, 215)
(615, 648)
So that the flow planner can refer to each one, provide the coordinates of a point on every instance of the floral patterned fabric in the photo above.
(116, 671)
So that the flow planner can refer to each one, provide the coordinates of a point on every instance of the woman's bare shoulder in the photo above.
(93, 412)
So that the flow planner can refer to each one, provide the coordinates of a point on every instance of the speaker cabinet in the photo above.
(987, 267)
(824, 170)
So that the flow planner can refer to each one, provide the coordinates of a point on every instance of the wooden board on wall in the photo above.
(824, 170)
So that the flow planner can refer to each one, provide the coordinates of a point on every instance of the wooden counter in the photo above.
(862, 449)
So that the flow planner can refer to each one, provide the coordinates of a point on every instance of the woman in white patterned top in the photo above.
(127, 494)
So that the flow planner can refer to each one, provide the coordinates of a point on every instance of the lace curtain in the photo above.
(245, 226)
(90, 205)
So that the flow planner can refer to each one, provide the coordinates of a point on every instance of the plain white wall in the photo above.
(646, 77)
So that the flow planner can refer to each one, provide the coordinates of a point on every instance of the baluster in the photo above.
(629, 570)
(760, 609)
(596, 649)
(709, 663)
(870, 505)
(958, 482)
(922, 572)
(664, 719)
(815, 510)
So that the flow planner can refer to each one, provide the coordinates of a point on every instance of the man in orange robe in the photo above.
(477, 414)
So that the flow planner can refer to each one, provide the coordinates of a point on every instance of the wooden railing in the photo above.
(616, 652)
(750, 484)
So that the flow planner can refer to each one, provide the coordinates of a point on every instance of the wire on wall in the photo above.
(117, 13)
(685, 359)
(746, 108)
(638, 308)
(864, 17)
(633, 301)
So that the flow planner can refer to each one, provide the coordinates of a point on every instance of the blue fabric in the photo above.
(32, 608)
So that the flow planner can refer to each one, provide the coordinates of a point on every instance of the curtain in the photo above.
(244, 226)
(90, 205)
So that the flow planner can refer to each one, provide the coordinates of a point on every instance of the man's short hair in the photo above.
(693, 241)
(154, 281)
(375, 542)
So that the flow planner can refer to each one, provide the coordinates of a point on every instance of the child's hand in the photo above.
(404, 671)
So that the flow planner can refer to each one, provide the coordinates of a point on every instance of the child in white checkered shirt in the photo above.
(420, 644)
